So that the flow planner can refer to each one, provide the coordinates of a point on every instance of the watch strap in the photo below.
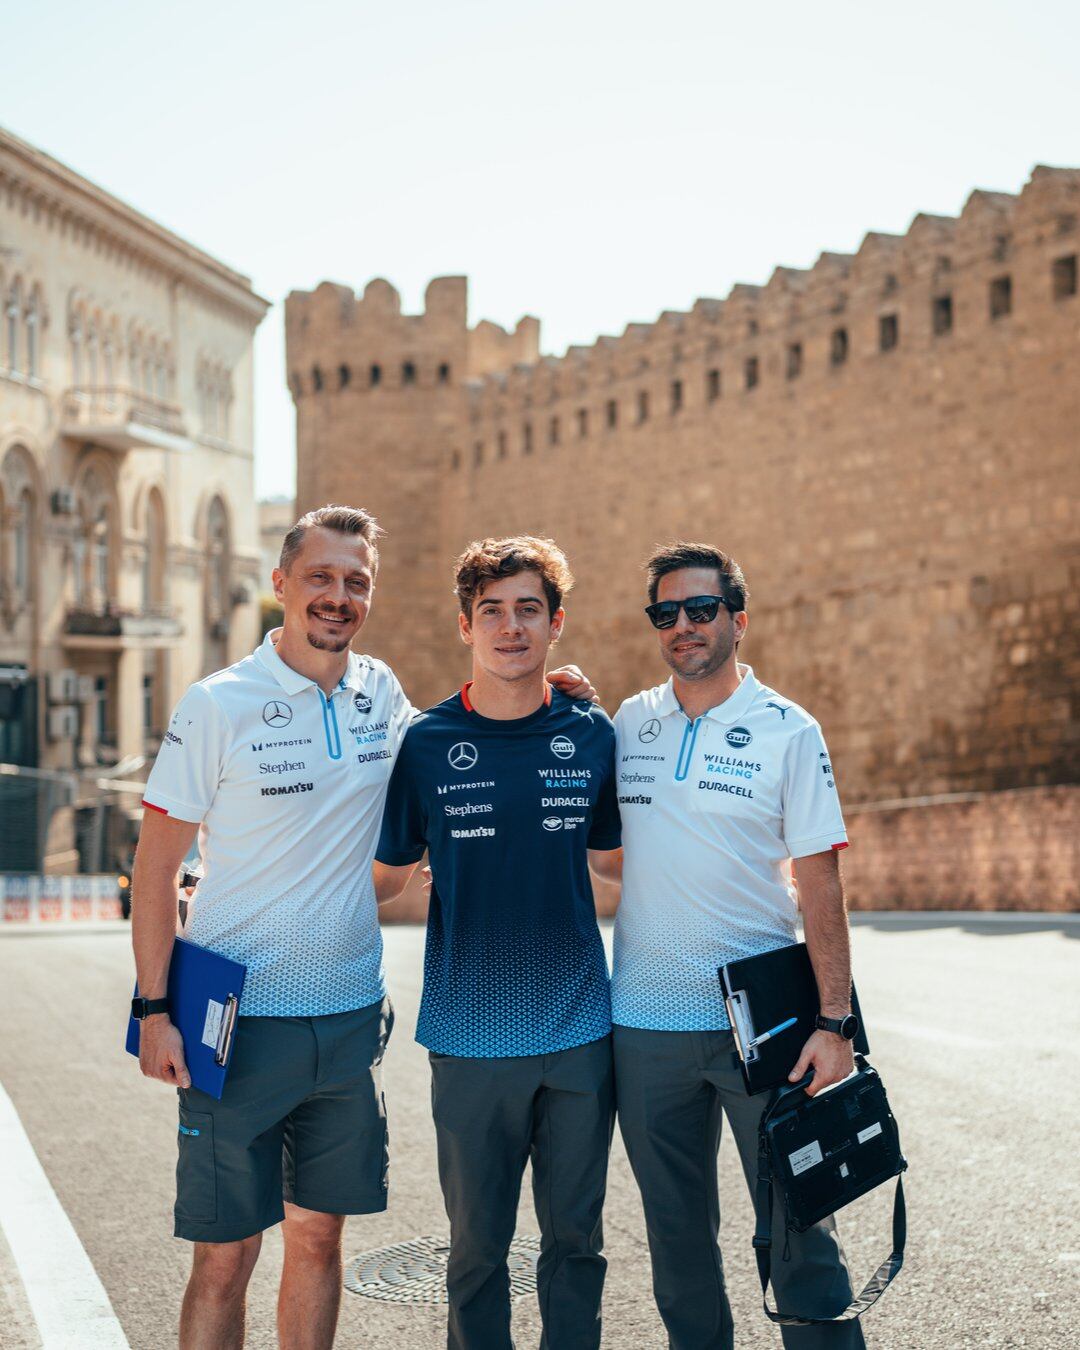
(836, 1024)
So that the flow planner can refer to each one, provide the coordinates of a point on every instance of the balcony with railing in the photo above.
(112, 629)
(122, 419)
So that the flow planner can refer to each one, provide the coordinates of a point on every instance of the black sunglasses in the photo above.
(699, 609)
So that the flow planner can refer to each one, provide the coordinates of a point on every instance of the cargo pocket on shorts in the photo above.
(196, 1175)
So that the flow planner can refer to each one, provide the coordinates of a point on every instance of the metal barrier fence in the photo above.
(34, 899)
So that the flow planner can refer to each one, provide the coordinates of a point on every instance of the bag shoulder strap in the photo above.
(876, 1285)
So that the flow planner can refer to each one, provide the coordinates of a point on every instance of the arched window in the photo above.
(75, 334)
(108, 360)
(226, 405)
(92, 355)
(99, 554)
(92, 554)
(33, 320)
(134, 361)
(14, 314)
(23, 525)
(153, 577)
(218, 574)
(16, 532)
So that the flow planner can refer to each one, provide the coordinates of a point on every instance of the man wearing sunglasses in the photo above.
(722, 781)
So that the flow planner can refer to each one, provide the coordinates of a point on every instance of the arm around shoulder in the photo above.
(606, 863)
(390, 881)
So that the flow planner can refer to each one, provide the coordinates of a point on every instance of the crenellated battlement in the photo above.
(886, 440)
(336, 340)
(893, 294)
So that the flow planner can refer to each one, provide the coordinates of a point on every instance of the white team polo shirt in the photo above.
(711, 812)
(289, 788)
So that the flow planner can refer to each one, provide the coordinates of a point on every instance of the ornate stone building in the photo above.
(889, 442)
(129, 556)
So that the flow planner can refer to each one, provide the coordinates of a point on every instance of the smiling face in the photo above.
(696, 651)
(510, 629)
(326, 593)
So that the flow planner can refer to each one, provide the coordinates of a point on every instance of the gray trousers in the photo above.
(491, 1117)
(674, 1089)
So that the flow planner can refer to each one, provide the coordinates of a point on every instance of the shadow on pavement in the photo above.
(991, 925)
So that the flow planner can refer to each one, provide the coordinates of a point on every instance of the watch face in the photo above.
(849, 1027)
(137, 1008)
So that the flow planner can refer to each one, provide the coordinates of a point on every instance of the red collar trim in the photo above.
(468, 702)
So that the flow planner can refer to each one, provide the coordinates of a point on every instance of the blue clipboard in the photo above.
(204, 1001)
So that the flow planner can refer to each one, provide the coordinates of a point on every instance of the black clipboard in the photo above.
(762, 992)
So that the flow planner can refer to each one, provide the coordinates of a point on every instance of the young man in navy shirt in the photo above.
(509, 784)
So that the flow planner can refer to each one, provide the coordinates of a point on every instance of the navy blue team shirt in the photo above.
(514, 962)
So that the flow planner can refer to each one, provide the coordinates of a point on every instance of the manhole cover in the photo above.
(415, 1271)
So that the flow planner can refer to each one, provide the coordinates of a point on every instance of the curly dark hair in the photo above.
(489, 559)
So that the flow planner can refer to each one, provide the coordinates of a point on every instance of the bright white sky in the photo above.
(592, 162)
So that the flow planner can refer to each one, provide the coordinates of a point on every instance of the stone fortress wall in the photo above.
(888, 442)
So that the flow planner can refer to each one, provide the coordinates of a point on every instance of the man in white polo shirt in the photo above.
(722, 782)
(280, 764)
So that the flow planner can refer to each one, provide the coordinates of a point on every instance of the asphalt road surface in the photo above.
(975, 1027)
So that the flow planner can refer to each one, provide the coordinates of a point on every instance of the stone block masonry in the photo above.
(889, 442)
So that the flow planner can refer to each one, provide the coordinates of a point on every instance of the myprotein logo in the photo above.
(443, 788)
(738, 737)
(259, 747)
(563, 747)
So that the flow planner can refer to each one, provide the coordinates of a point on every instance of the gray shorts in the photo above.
(302, 1119)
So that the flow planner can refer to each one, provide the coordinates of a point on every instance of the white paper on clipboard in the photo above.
(738, 1006)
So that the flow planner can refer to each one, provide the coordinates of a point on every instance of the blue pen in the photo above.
(768, 1035)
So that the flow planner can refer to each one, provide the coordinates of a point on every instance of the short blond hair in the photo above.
(343, 519)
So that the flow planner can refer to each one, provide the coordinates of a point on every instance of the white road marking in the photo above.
(69, 1302)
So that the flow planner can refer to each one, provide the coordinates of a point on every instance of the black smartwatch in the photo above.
(141, 1008)
(846, 1026)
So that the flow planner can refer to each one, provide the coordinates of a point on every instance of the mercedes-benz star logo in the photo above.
(649, 731)
(277, 714)
(462, 756)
